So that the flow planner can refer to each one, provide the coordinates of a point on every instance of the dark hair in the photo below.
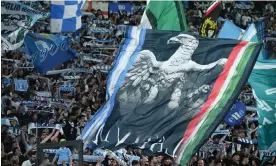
(150, 158)
(134, 162)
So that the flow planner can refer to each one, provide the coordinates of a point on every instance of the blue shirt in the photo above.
(63, 154)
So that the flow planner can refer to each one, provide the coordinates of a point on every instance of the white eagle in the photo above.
(154, 76)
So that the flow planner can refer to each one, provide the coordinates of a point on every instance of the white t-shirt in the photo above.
(245, 19)
(27, 163)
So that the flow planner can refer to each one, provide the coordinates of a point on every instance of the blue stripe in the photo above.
(103, 109)
(123, 74)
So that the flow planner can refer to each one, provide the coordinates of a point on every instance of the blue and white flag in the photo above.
(5, 121)
(230, 30)
(48, 51)
(21, 85)
(16, 20)
(66, 15)
(236, 115)
(247, 141)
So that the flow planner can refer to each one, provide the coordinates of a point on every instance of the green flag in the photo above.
(164, 15)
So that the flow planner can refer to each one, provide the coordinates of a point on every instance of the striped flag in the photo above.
(158, 102)
(209, 25)
(247, 141)
(164, 15)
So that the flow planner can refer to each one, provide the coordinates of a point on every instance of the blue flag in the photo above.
(236, 115)
(21, 85)
(48, 51)
(230, 31)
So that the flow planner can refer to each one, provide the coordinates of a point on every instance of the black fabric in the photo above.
(153, 123)
(209, 23)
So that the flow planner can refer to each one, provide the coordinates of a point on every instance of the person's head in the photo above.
(15, 159)
(144, 161)
(32, 157)
(16, 151)
(218, 163)
(211, 160)
(167, 161)
(236, 157)
(113, 162)
(160, 158)
(153, 160)
(75, 163)
(135, 163)
(245, 159)
(200, 162)
(32, 139)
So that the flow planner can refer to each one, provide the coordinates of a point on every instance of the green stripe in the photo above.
(166, 15)
(181, 15)
(202, 133)
(152, 19)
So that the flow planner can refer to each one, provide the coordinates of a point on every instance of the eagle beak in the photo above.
(173, 40)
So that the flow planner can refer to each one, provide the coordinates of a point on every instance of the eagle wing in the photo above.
(142, 78)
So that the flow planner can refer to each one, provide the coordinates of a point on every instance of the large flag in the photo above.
(164, 15)
(16, 20)
(48, 51)
(263, 82)
(209, 27)
(230, 31)
(66, 15)
(168, 91)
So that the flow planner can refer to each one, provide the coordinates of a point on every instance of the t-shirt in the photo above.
(63, 154)
(245, 19)
(27, 163)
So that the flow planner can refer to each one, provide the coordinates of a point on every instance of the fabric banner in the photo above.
(96, 5)
(164, 15)
(209, 27)
(236, 115)
(21, 85)
(244, 4)
(65, 15)
(48, 51)
(247, 141)
(16, 20)
(263, 82)
(116, 7)
(168, 91)
(230, 31)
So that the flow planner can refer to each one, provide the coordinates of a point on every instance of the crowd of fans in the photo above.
(55, 107)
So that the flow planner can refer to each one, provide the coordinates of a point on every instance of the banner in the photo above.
(164, 15)
(48, 51)
(16, 20)
(236, 115)
(116, 7)
(168, 91)
(230, 31)
(244, 4)
(21, 85)
(209, 27)
(66, 15)
(263, 82)
(96, 5)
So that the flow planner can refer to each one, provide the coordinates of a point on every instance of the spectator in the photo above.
(31, 161)
(64, 156)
